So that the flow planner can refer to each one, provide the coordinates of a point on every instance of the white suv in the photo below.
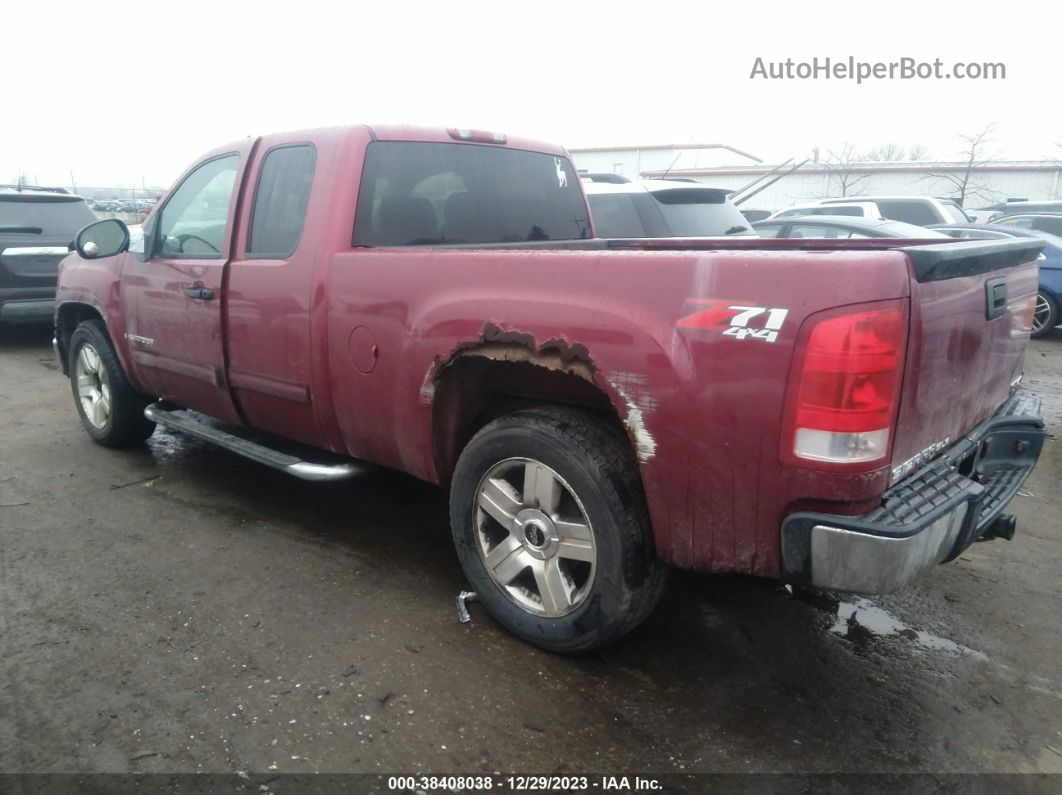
(918, 210)
(661, 208)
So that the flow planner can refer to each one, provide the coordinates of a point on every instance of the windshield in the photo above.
(700, 212)
(44, 217)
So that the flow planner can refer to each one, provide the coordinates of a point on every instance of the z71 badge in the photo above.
(735, 319)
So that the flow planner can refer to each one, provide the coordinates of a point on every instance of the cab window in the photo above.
(280, 201)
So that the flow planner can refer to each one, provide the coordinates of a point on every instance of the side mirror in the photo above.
(102, 239)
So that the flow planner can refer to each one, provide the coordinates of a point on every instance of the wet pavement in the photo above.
(178, 609)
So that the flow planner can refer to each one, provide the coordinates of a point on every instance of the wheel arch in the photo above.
(68, 316)
(478, 385)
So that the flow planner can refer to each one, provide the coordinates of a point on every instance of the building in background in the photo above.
(721, 166)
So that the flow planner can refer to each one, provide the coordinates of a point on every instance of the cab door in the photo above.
(269, 298)
(174, 292)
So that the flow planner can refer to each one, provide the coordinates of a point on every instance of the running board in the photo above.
(183, 421)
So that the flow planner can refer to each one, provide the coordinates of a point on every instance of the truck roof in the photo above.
(408, 132)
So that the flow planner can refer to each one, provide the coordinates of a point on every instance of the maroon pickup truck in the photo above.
(834, 413)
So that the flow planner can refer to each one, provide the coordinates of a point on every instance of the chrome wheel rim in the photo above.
(1042, 313)
(93, 386)
(534, 538)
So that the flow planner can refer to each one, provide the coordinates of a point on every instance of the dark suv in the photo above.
(36, 227)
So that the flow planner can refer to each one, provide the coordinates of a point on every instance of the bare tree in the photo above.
(917, 152)
(887, 153)
(841, 167)
(966, 183)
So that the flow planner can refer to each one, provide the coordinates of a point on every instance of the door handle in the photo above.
(200, 293)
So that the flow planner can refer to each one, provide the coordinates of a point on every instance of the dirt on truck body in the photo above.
(843, 414)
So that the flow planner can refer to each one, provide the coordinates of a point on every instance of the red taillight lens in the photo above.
(846, 385)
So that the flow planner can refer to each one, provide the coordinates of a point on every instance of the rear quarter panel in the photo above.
(703, 409)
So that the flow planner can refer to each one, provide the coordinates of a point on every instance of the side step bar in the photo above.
(180, 420)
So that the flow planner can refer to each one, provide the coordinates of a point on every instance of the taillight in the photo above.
(1029, 315)
(481, 136)
(845, 386)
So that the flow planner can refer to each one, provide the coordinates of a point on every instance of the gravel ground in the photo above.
(178, 609)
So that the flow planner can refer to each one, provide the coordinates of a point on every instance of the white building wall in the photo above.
(1014, 181)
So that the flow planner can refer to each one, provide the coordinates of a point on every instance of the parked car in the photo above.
(1043, 222)
(918, 210)
(837, 226)
(1049, 298)
(853, 209)
(37, 227)
(598, 408)
(1023, 207)
(662, 208)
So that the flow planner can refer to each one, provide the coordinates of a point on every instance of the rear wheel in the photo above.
(551, 528)
(111, 411)
(1045, 316)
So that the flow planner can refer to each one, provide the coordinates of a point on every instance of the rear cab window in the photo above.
(419, 193)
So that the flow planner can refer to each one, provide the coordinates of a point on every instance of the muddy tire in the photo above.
(551, 527)
(111, 411)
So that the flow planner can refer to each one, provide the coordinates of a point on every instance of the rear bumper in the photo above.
(32, 310)
(926, 519)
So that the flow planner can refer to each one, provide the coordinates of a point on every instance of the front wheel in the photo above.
(1045, 315)
(551, 528)
(111, 411)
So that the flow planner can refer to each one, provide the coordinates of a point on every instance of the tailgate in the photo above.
(970, 310)
(31, 261)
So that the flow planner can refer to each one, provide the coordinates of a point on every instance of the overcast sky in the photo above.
(119, 92)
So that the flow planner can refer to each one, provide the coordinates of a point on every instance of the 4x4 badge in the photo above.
(736, 320)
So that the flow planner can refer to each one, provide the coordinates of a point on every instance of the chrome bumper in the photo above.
(926, 519)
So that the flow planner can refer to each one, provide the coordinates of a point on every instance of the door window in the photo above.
(192, 224)
(280, 201)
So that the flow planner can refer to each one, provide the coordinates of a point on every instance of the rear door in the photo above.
(174, 299)
(270, 289)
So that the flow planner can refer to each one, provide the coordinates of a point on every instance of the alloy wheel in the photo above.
(534, 538)
(93, 386)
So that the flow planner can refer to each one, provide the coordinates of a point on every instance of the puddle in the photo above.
(168, 448)
(860, 620)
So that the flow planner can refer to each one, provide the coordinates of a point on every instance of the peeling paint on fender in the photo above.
(631, 388)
